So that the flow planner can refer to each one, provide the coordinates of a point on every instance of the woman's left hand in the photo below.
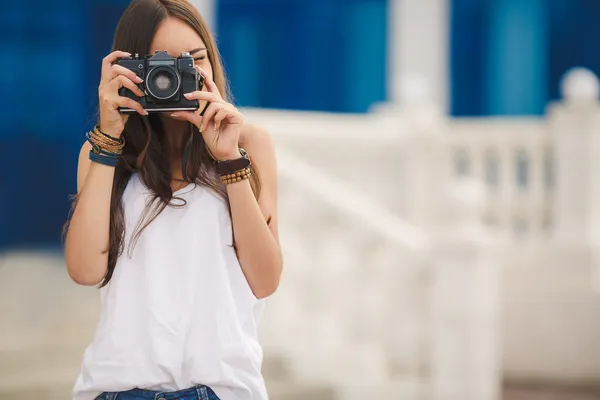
(221, 123)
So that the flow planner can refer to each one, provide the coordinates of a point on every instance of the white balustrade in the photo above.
(423, 299)
(355, 304)
(393, 155)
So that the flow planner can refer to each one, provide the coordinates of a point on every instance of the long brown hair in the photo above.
(144, 136)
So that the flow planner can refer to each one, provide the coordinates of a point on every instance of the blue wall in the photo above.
(325, 55)
(42, 80)
(508, 56)
(50, 66)
(321, 55)
(574, 34)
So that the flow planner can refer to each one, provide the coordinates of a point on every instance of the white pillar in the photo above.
(575, 123)
(418, 52)
(208, 10)
(465, 346)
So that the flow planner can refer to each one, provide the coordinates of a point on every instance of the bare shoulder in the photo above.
(257, 138)
(83, 165)
(258, 142)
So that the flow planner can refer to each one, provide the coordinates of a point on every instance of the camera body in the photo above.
(165, 80)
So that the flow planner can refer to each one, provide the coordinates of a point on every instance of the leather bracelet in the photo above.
(98, 141)
(104, 159)
(120, 140)
(233, 166)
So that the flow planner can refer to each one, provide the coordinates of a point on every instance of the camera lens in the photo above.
(163, 82)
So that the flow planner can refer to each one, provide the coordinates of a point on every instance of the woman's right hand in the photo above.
(113, 78)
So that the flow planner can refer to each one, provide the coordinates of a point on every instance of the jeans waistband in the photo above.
(198, 392)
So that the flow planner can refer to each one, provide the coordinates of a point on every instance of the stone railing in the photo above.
(516, 160)
(536, 170)
(370, 306)
(538, 178)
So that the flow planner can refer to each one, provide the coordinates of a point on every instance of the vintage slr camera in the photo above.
(166, 79)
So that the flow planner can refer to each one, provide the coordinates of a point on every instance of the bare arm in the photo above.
(87, 239)
(255, 223)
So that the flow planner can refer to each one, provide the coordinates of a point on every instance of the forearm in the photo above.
(257, 249)
(88, 235)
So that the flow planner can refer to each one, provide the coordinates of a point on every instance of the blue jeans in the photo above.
(199, 392)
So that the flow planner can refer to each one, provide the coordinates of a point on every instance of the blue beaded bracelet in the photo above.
(104, 159)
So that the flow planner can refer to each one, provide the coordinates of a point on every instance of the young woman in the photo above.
(183, 252)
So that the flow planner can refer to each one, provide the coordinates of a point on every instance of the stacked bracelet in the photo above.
(237, 170)
(236, 176)
(104, 159)
(106, 149)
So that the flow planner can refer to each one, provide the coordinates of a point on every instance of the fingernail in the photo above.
(187, 95)
(145, 112)
(138, 79)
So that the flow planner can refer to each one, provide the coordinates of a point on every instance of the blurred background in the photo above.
(439, 200)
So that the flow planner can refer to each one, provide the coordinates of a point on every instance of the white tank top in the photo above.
(178, 310)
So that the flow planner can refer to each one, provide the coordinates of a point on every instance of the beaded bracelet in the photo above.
(236, 176)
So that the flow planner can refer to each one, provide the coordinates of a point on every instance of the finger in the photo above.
(208, 96)
(109, 60)
(212, 109)
(117, 70)
(211, 86)
(189, 116)
(232, 115)
(126, 102)
(122, 81)
(219, 116)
